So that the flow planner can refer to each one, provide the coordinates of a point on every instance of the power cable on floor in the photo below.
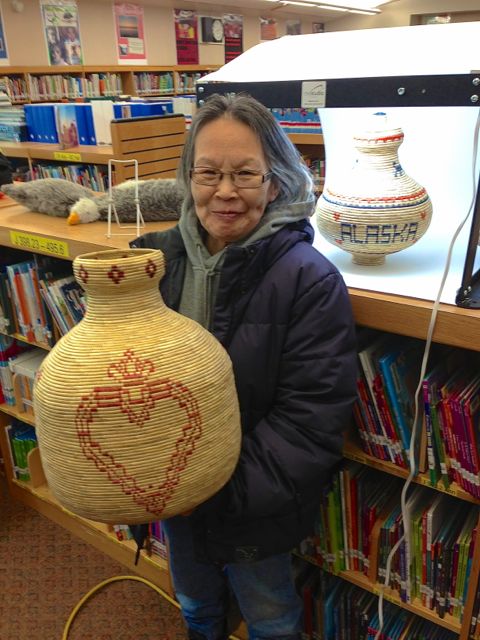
(99, 586)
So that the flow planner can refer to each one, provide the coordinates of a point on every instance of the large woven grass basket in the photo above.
(375, 208)
(136, 408)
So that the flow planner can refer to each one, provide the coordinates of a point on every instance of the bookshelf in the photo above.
(79, 83)
(31, 151)
(45, 83)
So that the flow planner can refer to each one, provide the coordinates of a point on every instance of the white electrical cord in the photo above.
(411, 458)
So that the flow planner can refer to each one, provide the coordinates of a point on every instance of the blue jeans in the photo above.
(264, 590)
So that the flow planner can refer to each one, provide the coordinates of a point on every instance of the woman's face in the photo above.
(226, 212)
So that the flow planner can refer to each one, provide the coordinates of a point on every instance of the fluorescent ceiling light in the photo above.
(298, 3)
(356, 4)
(365, 12)
(330, 7)
(365, 7)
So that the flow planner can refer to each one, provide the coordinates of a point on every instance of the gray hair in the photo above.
(290, 173)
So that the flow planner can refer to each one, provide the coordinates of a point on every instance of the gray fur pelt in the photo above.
(52, 196)
(159, 199)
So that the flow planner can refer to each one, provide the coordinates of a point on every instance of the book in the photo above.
(7, 313)
(456, 598)
(19, 294)
(399, 367)
(414, 549)
(137, 108)
(444, 551)
(22, 439)
(453, 385)
(41, 123)
(435, 516)
(386, 439)
(23, 369)
(468, 415)
(102, 114)
(67, 125)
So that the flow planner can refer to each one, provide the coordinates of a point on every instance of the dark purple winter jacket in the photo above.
(283, 314)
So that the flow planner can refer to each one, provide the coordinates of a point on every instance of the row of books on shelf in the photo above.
(156, 543)
(360, 522)
(13, 125)
(22, 439)
(58, 86)
(93, 176)
(85, 123)
(298, 120)
(18, 367)
(337, 610)
(448, 407)
(185, 81)
(16, 87)
(150, 82)
(39, 298)
(317, 169)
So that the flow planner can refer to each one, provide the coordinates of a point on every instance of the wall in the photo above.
(26, 42)
(398, 14)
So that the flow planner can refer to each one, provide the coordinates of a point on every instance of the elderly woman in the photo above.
(241, 263)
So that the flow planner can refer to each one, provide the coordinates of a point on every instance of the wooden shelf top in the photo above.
(15, 149)
(19, 228)
(306, 138)
(411, 316)
(90, 154)
(103, 68)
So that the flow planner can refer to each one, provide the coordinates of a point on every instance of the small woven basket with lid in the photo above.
(136, 408)
(375, 208)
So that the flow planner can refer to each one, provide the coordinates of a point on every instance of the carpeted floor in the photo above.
(45, 571)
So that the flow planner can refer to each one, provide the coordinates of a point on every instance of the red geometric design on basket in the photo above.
(391, 138)
(336, 217)
(338, 241)
(116, 274)
(150, 268)
(136, 394)
(418, 195)
(83, 274)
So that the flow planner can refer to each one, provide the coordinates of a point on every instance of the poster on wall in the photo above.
(211, 30)
(293, 27)
(233, 34)
(268, 28)
(62, 31)
(186, 36)
(130, 32)
(3, 42)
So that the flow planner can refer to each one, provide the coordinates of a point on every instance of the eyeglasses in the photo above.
(241, 179)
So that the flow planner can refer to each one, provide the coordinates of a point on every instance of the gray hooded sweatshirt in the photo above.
(202, 274)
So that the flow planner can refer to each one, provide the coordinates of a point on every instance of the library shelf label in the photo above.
(32, 242)
(69, 157)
